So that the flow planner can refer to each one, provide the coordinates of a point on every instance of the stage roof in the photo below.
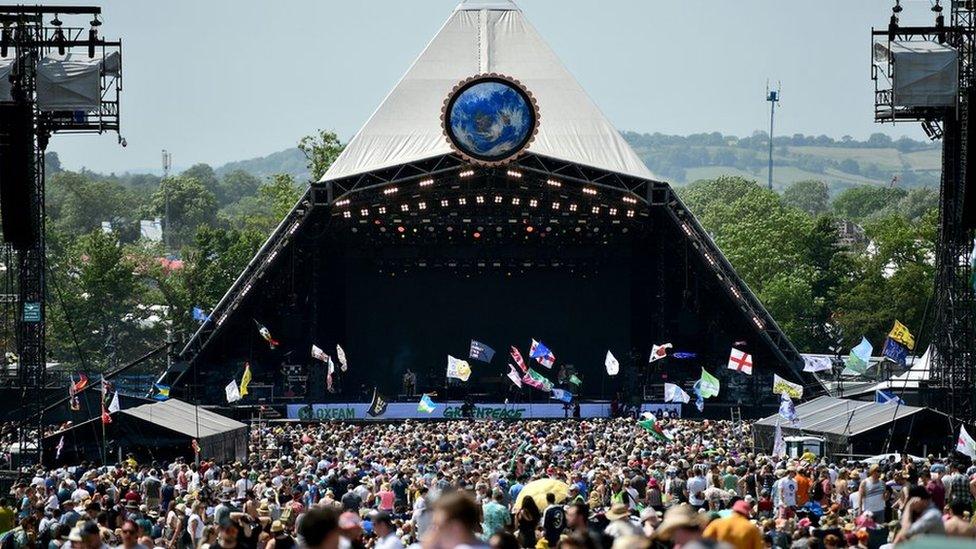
(486, 36)
(184, 418)
(843, 417)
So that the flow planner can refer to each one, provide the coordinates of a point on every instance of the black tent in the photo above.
(860, 427)
(156, 430)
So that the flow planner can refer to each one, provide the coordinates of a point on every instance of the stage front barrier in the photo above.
(452, 410)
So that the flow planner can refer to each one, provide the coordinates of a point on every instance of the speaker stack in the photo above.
(16, 155)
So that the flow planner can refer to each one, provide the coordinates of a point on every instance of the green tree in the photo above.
(205, 175)
(190, 206)
(321, 150)
(236, 185)
(858, 203)
(811, 196)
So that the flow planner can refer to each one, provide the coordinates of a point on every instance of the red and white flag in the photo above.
(542, 354)
(514, 376)
(517, 357)
(659, 351)
(740, 361)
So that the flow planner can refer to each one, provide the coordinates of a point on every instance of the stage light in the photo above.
(426, 182)
(630, 213)
(515, 174)
(555, 205)
(529, 229)
(382, 209)
(572, 207)
(343, 202)
(92, 38)
(588, 190)
(59, 37)
(613, 211)
(759, 323)
(463, 201)
(390, 191)
(533, 203)
(293, 228)
(401, 229)
(630, 200)
(404, 208)
(422, 205)
(476, 235)
(516, 201)
(466, 173)
(480, 199)
(553, 183)
(364, 212)
(347, 214)
(708, 257)
(498, 199)
(686, 228)
(595, 210)
(735, 292)
(444, 203)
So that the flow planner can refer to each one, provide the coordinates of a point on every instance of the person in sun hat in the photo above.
(620, 522)
(736, 529)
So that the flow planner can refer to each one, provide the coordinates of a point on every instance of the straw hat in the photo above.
(680, 516)
(618, 511)
(277, 527)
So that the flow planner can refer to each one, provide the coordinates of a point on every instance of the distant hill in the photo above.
(683, 159)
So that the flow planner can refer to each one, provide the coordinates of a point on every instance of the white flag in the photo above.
(740, 361)
(673, 393)
(783, 387)
(779, 445)
(613, 366)
(233, 393)
(342, 358)
(514, 376)
(817, 363)
(966, 444)
(114, 405)
(659, 351)
(458, 369)
(319, 354)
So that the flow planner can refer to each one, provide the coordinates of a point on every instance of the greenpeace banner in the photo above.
(452, 410)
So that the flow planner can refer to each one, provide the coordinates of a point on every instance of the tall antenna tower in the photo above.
(773, 97)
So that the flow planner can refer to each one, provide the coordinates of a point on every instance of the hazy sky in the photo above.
(216, 81)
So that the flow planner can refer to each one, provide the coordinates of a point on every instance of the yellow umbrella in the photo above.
(537, 490)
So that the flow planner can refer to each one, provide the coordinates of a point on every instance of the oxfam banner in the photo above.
(452, 410)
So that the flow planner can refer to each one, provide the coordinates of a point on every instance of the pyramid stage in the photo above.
(488, 199)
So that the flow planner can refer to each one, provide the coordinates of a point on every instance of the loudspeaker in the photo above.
(16, 156)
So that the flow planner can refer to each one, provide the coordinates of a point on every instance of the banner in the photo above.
(480, 351)
(783, 387)
(458, 369)
(817, 363)
(612, 364)
(452, 410)
(899, 332)
(659, 351)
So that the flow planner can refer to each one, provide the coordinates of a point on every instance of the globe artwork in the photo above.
(490, 120)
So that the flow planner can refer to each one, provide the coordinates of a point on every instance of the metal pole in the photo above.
(772, 114)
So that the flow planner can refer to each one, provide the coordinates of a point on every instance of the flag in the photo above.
(517, 357)
(899, 332)
(378, 406)
(779, 445)
(330, 369)
(860, 356)
(195, 446)
(699, 400)
(480, 351)
(319, 354)
(575, 380)
(106, 417)
(458, 369)
(114, 406)
(649, 423)
(542, 354)
(817, 363)
(613, 366)
(75, 404)
(426, 405)
(162, 392)
(659, 351)
(514, 376)
(740, 361)
(673, 393)
(78, 386)
(245, 379)
(708, 385)
(787, 410)
(783, 387)
(200, 315)
(266, 334)
(59, 447)
(887, 397)
(559, 394)
(895, 352)
(341, 355)
(684, 355)
(232, 392)
(537, 380)
(966, 444)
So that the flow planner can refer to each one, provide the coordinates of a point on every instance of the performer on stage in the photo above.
(409, 383)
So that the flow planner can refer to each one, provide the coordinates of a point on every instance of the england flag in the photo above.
(740, 361)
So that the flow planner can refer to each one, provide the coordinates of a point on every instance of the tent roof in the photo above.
(911, 379)
(486, 36)
(184, 418)
(838, 416)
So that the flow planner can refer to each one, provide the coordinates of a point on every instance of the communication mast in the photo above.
(772, 96)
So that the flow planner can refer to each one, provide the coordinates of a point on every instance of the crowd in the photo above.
(541, 484)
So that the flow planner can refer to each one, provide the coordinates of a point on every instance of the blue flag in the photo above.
(787, 410)
(480, 351)
(562, 395)
(699, 399)
(426, 405)
(894, 351)
(684, 355)
(199, 315)
(887, 397)
(162, 392)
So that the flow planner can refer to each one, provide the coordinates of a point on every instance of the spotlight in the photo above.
(572, 207)
(588, 190)
(529, 229)
(347, 214)
(390, 191)
(553, 183)
(515, 174)
(480, 199)
(630, 213)
(466, 173)
(533, 203)
(476, 234)
(444, 203)
(93, 37)
(595, 210)
(498, 199)
(630, 200)
(404, 207)
(382, 209)
(401, 229)
(364, 212)
(555, 205)
(516, 201)
(613, 211)
(463, 201)
(426, 182)
(422, 205)
(59, 36)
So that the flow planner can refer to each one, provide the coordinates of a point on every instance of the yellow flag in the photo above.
(246, 378)
(899, 332)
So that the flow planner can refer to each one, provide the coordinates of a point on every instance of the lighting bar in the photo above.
(515, 174)
(426, 182)
(735, 292)
(293, 228)
(466, 173)
(390, 191)
(444, 203)
(382, 209)
(589, 190)
(630, 213)
(686, 228)
(343, 202)
(364, 212)
(479, 199)
(533, 203)
(347, 214)
(630, 200)
(553, 183)
(613, 211)
(572, 207)
(422, 205)
(759, 323)
(498, 199)
(555, 205)
(404, 207)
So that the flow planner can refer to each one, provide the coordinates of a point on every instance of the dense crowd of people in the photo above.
(602, 483)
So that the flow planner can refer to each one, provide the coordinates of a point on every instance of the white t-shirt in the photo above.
(787, 488)
(696, 490)
(195, 527)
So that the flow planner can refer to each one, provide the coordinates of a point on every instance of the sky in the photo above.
(222, 80)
